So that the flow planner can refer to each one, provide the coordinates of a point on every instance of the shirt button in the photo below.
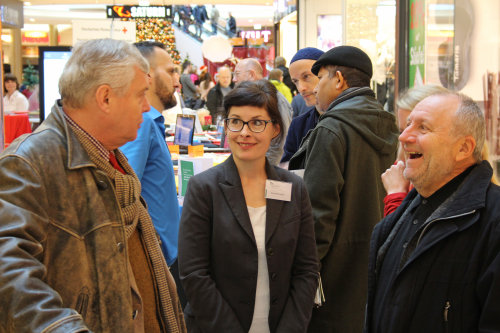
(120, 246)
(424, 202)
(405, 245)
(274, 301)
(135, 313)
(274, 276)
(270, 251)
(415, 221)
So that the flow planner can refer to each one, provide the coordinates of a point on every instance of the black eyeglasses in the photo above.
(255, 125)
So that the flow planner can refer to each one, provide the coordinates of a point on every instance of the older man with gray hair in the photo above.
(250, 69)
(435, 261)
(78, 250)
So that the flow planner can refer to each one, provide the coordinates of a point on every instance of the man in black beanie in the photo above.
(354, 141)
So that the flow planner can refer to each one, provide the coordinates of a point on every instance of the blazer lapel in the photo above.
(233, 192)
(273, 207)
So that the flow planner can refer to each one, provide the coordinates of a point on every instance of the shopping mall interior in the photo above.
(453, 43)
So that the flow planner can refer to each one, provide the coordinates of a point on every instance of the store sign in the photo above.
(256, 34)
(35, 37)
(417, 43)
(86, 30)
(139, 11)
(11, 13)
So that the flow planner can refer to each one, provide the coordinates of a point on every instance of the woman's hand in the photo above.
(393, 179)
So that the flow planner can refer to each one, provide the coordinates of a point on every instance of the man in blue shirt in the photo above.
(148, 154)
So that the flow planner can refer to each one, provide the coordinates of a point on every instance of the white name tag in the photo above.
(278, 190)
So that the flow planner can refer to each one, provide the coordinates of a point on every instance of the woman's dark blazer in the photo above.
(218, 254)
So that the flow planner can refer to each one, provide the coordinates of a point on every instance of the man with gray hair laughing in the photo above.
(435, 261)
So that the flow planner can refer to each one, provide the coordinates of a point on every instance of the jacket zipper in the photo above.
(440, 219)
(447, 306)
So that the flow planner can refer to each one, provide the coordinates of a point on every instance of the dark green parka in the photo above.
(354, 142)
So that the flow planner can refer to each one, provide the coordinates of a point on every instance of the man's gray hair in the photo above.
(97, 62)
(469, 120)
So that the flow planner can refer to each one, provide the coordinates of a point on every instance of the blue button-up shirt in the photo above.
(150, 158)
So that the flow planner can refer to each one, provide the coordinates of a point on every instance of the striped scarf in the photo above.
(128, 190)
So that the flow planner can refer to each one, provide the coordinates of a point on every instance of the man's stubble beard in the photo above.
(166, 97)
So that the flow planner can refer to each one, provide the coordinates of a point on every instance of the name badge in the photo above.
(278, 190)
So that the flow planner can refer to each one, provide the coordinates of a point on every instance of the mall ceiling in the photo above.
(153, 2)
(246, 12)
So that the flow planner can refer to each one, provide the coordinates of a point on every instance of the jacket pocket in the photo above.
(446, 316)
(82, 302)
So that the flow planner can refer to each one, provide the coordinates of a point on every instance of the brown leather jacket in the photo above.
(63, 253)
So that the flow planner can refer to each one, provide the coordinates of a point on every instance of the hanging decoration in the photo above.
(158, 30)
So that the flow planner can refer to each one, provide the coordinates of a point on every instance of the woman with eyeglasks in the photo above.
(247, 254)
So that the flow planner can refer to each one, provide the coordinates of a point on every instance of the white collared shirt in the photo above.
(16, 102)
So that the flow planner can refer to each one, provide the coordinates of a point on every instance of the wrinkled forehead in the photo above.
(436, 108)
(240, 66)
(301, 67)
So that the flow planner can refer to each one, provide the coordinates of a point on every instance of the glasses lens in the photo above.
(234, 124)
(257, 126)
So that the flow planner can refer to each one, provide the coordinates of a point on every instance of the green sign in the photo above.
(417, 42)
(187, 171)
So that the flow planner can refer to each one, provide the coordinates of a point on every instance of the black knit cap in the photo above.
(348, 56)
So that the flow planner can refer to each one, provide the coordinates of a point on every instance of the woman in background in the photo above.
(206, 84)
(248, 261)
(13, 99)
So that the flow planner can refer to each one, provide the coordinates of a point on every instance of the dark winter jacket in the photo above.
(200, 14)
(298, 130)
(215, 99)
(231, 24)
(343, 157)
(451, 281)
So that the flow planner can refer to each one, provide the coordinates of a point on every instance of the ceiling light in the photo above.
(27, 3)
(32, 20)
(6, 38)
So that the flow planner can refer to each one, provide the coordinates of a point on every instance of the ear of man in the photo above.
(466, 146)
(103, 98)
(341, 81)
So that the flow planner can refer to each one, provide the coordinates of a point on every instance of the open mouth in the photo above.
(413, 155)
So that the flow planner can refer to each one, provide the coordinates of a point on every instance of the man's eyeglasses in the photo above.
(255, 125)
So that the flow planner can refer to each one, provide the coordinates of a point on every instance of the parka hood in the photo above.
(358, 109)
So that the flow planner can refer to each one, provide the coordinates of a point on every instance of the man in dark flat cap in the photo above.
(342, 157)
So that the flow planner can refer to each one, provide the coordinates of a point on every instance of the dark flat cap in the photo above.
(348, 56)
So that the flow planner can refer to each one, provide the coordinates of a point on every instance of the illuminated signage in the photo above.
(256, 34)
(36, 37)
(139, 12)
